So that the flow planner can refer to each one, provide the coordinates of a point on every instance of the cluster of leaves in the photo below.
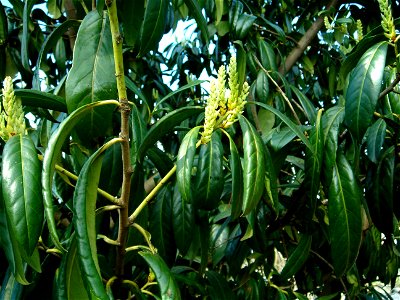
(295, 199)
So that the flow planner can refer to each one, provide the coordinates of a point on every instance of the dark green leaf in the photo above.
(168, 288)
(309, 109)
(241, 63)
(380, 191)
(184, 164)
(344, 211)
(164, 125)
(84, 223)
(41, 99)
(185, 87)
(161, 160)
(375, 139)
(111, 170)
(243, 25)
(132, 25)
(331, 121)
(10, 288)
(91, 78)
(138, 131)
(209, 181)
(363, 90)
(313, 163)
(53, 152)
(70, 283)
(22, 191)
(267, 55)
(153, 25)
(262, 87)
(3, 38)
(235, 11)
(253, 166)
(299, 256)
(219, 288)
(25, 33)
(183, 222)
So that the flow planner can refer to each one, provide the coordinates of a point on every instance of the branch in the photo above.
(391, 87)
(125, 109)
(304, 42)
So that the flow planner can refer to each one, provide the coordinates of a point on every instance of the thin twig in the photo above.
(391, 87)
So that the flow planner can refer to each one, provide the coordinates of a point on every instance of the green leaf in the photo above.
(10, 247)
(153, 25)
(309, 109)
(375, 139)
(344, 211)
(237, 183)
(165, 125)
(138, 131)
(168, 288)
(241, 56)
(363, 90)
(299, 256)
(70, 283)
(26, 18)
(183, 222)
(41, 99)
(235, 12)
(195, 10)
(262, 87)
(267, 55)
(331, 121)
(161, 225)
(219, 287)
(219, 11)
(84, 223)
(253, 166)
(184, 163)
(3, 38)
(313, 163)
(243, 25)
(131, 26)
(295, 128)
(53, 152)
(91, 78)
(209, 181)
(380, 191)
(22, 191)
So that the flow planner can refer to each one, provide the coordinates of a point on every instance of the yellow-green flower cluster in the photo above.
(12, 120)
(328, 25)
(224, 105)
(387, 20)
(360, 34)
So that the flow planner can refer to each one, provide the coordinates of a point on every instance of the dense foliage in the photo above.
(125, 176)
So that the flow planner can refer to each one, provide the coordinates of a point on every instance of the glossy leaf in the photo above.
(90, 79)
(70, 283)
(138, 131)
(10, 287)
(28, 5)
(313, 163)
(41, 99)
(267, 55)
(153, 25)
(243, 25)
(165, 125)
(253, 166)
(132, 25)
(380, 193)
(262, 87)
(53, 152)
(183, 88)
(184, 164)
(375, 139)
(331, 121)
(183, 222)
(84, 223)
(309, 109)
(22, 191)
(344, 211)
(209, 181)
(236, 9)
(161, 225)
(295, 128)
(297, 259)
(364, 87)
(168, 288)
